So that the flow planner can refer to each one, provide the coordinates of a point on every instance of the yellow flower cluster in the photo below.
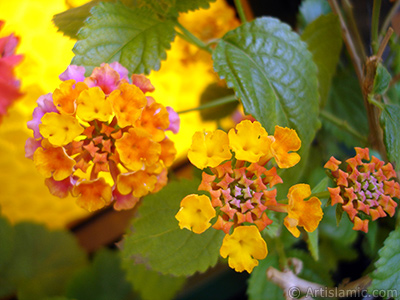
(242, 189)
(101, 138)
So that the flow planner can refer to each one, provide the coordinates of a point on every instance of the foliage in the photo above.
(183, 252)
(318, 84)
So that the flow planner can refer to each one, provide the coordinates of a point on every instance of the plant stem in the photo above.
(348, 9)
(343, 125)
(373, 101)
(376, 9)
(384, 43)
(348, 41)
(240, 11)
(322, 195)
(218, 102)
(191, 38)
(388, 19)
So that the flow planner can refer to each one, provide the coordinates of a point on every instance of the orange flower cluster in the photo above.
(101, 138)
(9, 86)
(242, 190)
(365, 189)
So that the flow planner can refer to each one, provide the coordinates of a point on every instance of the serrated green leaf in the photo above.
(136, 38)
(70, 21)
(43, 261)
(104, 279)
(382, 80)
(185, 6)
(390, 122)
(151, 285)
(311, 9)
(157, 240)
(386, 277)
(324, 39)
(258, 285)
(273, 74)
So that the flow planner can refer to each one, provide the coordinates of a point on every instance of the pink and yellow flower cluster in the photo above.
(101, 138)
(9, 85)
(242, 189)
(364, 190)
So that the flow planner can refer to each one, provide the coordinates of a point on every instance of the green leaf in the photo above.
(157, 240)
(7, 243)
(184, 6)
(43, 261)
(258, 285)
(102, 280)
(343, 234)
(386, 277)
(382, 80)
(136, 38)
(311, 10)
(273, 74)
(390, 122)
(7, 246)
(345, 101)
(214, 92)
(70, 21)
(152, 285)
(324, 39)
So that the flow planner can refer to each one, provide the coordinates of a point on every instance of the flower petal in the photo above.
(59, 129)
(53, 162)
(249, 141)
(209, 149)
(92, 194)
(285, 140)
(302, 213)
(92, 105)
(195, 213)
(245, 247)
(128, 103)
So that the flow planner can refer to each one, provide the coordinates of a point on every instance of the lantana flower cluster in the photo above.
(242, 189)
(9, 85)
(364, 189)
(101, 138)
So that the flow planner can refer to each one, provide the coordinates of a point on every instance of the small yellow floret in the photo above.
(195, 213)
(285, 140)
(245, 247)
(59, 129)
(92, 105)
(302, 213)
(249, 141)
(128, 103)
(209, 149)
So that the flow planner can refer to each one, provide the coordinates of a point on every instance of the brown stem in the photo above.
(348, 10)
(366, 79)
(293, 286)
(351, 48)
